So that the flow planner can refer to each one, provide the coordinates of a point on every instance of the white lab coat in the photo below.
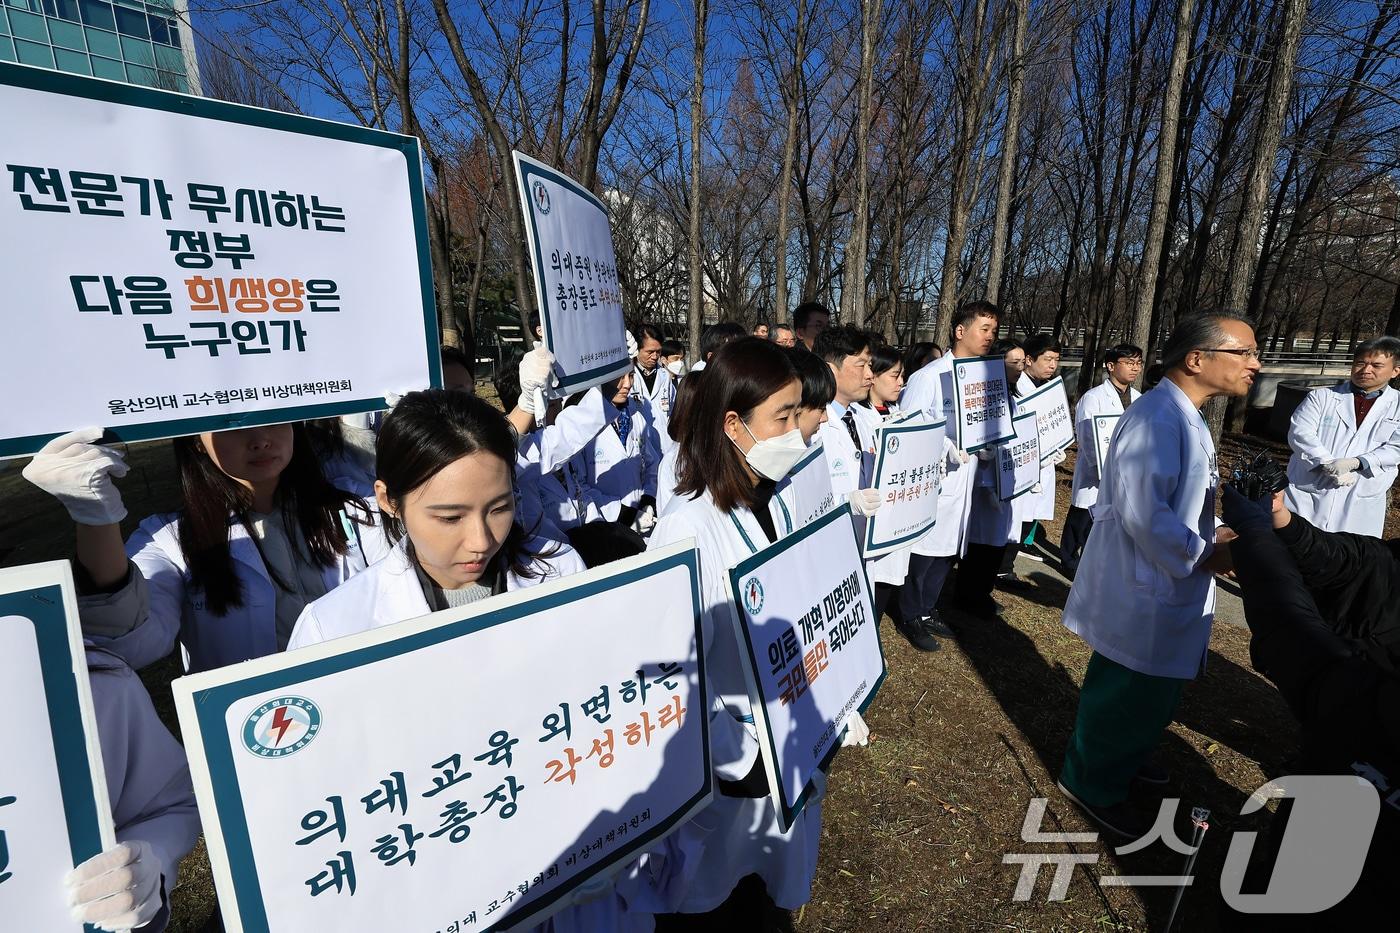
(1324, 429)
(894, 566)
(1102, 399)
(656, 403)
(545, 450)
(620, 474)
(666, 479)
(1038, 506)
(1141, 597)
(742, 835)
(141, 622)
(931, 391)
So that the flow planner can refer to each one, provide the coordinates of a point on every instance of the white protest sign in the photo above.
(1054, 420)
(810, 485)
(981, 402)
(807, 622)
(1018, 460)
(1103, 434)
(571, 253)
(447, 771)
(54, 813)
(177, 264)
(908, 473)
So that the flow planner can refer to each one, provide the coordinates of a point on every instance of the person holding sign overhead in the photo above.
(930, 390)
(260, 535)
(1123, 366)
(741, 440)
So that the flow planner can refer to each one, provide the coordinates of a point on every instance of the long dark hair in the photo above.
(307, 500)
(738, 378)
(432, 429)
(917, 357)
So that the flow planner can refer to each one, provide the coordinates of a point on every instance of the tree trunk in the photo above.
(1155, 241)
(799, 58)
(1392, 324)
(1006, 170)
(853, 279)
(697, 119)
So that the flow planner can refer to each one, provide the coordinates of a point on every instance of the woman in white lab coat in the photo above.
(741, 439)
(261, 534)
(887, 574)
(621, 462)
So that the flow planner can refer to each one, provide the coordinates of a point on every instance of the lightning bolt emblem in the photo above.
(281, 722)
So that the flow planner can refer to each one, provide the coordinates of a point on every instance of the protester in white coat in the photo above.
(849, 447)
(1123, 366)
(1144, 596)
(652, 384)
(1042, 363)
(741, 439)
(128, 886)
(930, 390)
(887, 573)
(261, 534)
(621, 462)
(1346, 445)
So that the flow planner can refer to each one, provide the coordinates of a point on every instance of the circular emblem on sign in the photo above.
(962, 371)
(281, 726)
(541, 198)
(753, 596)
(893, 445)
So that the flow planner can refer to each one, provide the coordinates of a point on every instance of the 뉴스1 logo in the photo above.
(541, 198)
(281, 726)
(893, 444)
(753, 596)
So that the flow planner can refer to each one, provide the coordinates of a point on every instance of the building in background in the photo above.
(138, 42)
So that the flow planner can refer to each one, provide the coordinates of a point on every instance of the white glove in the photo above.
(392, 399)
(857, 732)
(1035, 490)
(986, 455)
(1341, 466)
(866, 501)
(536, 374)
(645, 521)
(1338, 481)
(631, 344)
(1058, 457)
(79, 473)
(957, 457)
(117, 890)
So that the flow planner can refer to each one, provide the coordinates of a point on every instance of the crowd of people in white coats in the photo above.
(293, 534)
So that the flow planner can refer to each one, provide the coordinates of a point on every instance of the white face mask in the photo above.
(774, 457)
(676, 367)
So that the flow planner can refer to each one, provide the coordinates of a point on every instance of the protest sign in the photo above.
(810, 483)
(812, 651)
(1054, 421)
(447, 772)
(981, 402)
(908, 466)
(1018, 461)
(571, 253)
(1103, 434)
(177, 264)
(54, 813)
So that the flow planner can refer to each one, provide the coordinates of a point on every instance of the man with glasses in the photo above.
(1144, 597)
(1122, 365)
(1346, 445)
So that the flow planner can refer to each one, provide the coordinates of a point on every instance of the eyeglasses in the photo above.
(1249, 353)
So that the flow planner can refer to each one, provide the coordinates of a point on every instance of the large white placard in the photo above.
(175, 264)
(807, 621)
(54, 813)
(1103, 434)
(575, 270)
(1053, 416)
(449, 770)
(981, 402)
(1018, 460)
(909, 473)
(810, 482)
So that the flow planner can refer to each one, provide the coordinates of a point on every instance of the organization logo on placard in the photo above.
(281, 726)
(962, 371)
(893, 444)
(541, 198)
(753, 596)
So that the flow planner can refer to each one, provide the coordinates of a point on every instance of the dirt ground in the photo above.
(916, 825)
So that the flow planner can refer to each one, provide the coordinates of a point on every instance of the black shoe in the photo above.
(1012, 581)
(987, 608)
(918, 637)
(1118, 820)
(933, 624)
(1153, 774)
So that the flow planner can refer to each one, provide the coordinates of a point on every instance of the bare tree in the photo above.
(853, 279)
(1010, 133)
(697, 119)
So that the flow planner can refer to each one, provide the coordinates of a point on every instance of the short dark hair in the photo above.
(643, 331)
(1388, 346)
(672, 347)
(818, 382)
(1123, 351)
(1005, 345)
(883, 358)
(836, 343)
(1037, 345)
(717, 335)
(773, 331)
(742, 374)
(681, 405)
(1197, 331)
(455, 356)
(507, 378)
(917, 356)
(805, 311)
(971, 311)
